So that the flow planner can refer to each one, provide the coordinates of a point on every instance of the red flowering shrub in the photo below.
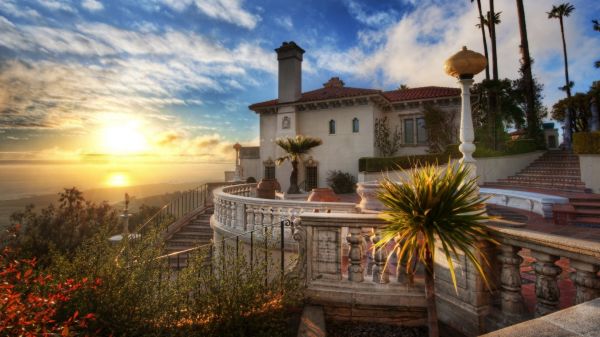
(30, 301)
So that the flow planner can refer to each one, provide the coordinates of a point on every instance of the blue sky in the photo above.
(176, 76)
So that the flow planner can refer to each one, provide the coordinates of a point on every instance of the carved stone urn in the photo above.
(324, 194)
(368, 196)
(266, 188)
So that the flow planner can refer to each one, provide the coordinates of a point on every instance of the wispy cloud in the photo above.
(372, 19)
(227, 10)
(92, 5)
(57, 5)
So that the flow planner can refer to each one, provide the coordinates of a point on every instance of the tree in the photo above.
(60, 229)
(560, 12)
(481, 25)
(493, 20)
(434, 206)
(580, 105)
(533, 123)
(295, 148)
(386, 142)
(441, 126)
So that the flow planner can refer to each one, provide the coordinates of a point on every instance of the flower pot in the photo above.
(266, 188)
(323, 195)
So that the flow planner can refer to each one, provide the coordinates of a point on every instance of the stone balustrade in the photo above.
(546, 249)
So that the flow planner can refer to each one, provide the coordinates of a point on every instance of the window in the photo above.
(311, 178)
(332, 127)
(409, 131)
(355, 125)
(285, 123)
(421, 131)
(269, 169)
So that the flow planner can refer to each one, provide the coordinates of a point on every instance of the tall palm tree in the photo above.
(596, 28)
(432, 206)
(295, 148)
(485, 49)
(559, 12)
(532, 119)
(493, 20)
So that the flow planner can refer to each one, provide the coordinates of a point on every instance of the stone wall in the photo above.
(590, 166)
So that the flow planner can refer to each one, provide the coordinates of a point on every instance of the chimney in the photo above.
(289, 56)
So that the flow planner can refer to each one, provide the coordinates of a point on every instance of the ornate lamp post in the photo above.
(238, 167)
(464, 65)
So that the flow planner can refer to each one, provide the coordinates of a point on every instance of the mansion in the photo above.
(342, 117)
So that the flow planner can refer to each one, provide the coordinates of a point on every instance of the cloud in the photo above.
(226, 10)
(376, 19)
(57, 5)
(285, 22)
(9, 7)
(92, 5)
(413, 49)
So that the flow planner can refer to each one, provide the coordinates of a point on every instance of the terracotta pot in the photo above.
(266, 188)
(325, 194)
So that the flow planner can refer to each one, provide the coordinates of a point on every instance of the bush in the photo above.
(586, 142)
(341, 182)
(378, 164)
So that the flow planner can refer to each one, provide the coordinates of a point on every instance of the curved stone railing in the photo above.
(237, 210)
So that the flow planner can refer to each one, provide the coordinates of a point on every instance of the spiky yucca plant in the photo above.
(434, 205)
(295, 148)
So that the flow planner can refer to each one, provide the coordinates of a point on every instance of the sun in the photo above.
(117, 179)
(123, 137)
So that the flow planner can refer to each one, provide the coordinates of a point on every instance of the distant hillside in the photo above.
(152, 195)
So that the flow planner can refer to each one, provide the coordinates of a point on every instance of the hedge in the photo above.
(586, 142)
(378, 164)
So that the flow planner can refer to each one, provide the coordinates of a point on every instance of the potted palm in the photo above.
(295, 149)
(432, 206)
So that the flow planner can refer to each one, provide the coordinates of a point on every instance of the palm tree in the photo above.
(485, 49)
(596, 28)
(432, 206)
(295, 148)
(485, 22)
(532, 120)
(559, 12)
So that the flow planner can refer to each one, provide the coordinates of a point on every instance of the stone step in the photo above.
(586, 221)
(566, 188)
(554, 171)
(546, 178)
(191, 237)
(586, 204)
(543, 181)
(588, 213)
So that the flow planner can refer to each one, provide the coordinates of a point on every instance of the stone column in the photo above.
(355, 270)
(380, 274)
(587, 283)
(546, 283)
(510, 281)
(467, 135)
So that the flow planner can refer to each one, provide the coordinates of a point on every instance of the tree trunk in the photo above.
(432, 319)
(293, 189)
(562, 33)
(570, 113)
(485, 49)
(492, 25)
(532, 118)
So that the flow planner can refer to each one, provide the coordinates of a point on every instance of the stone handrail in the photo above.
(237, 210)
(546, 249)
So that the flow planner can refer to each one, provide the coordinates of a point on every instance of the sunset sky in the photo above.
(174, 77)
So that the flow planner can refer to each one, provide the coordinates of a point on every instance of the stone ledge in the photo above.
(529, 201)
(580, 320)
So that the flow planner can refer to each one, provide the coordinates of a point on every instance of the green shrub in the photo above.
(586, 142)
(521, 146)
(341, 182)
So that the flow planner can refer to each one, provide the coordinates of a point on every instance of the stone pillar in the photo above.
(355, 270)
(368, 196)
(467, 135)
(546, 283)
(587, 283)
(510, 281)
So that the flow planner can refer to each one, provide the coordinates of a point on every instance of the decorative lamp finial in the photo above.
(465, 64)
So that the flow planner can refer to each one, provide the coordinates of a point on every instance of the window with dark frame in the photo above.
(332, 127)
(355, 125)
(311, 178)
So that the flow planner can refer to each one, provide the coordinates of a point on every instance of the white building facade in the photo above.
(342, 117)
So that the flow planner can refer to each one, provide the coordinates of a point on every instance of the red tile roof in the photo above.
(413, 94)
(334, 89)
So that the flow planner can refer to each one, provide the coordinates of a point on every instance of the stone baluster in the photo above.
(218, 210)
(228, 214)
(258, 216)
(512, 301)
(380, 274)
(587, 283)
(546, 283)
(355, 269)
(233, 212)
(249, 217)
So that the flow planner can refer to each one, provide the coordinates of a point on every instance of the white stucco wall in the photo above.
(488, 169)
(252, 168)
(590, 171)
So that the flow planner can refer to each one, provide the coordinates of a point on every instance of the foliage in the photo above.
(32, 302)
(442, 129)
(295, 148)
(435, 206)
(386, 142)
(586, 142)
(596, 28)
(341, 182)
(580, 105)
(61, 228)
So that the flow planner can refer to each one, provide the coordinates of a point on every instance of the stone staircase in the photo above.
(554, 171)
(195, 233)
(586, 210)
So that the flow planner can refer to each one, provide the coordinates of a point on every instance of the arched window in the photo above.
(332, 127)
(355, 126)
